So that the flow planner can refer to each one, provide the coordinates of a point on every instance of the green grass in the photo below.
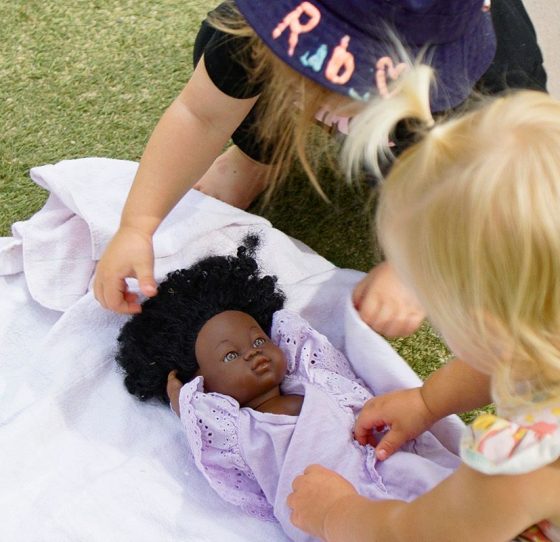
(84, 78)
(92, 77)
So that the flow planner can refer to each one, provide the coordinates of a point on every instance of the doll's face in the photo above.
(237, 358)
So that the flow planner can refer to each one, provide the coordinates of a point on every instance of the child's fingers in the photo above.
(396, 322)
(385, 304)
(368, 419)
(358, 293)
(379, 316)
(130, 297)
(148, 286)
(382, 315)
(390, 320)
(385, 317)
(365, 437)
(372, 311)
(145, 274)
(390, 443)
(114, 295)
(408, 325)
(99, 290)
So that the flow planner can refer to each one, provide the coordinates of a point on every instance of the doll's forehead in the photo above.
(224, 325)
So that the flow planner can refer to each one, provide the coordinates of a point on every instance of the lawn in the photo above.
(91, 78)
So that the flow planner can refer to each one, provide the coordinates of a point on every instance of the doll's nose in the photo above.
(251, 353)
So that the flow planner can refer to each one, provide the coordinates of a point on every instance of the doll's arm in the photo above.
(174, 386)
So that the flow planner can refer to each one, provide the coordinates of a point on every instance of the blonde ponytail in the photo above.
(370, 130)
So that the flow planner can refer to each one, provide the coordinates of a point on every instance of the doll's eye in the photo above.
(258, 342)
(230, 356)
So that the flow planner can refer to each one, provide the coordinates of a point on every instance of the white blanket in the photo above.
(81, 459)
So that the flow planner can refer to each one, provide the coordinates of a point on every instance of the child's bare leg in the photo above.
(234, 178)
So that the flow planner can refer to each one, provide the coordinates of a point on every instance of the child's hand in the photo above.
(403, 411)
(174, 386)
(315, 493)
(385, 304)
(129, 254)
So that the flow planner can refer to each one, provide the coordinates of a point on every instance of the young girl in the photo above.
(469, 218)
(262, 79)
(260, 393)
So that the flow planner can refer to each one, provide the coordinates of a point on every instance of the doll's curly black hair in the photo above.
(162, 337)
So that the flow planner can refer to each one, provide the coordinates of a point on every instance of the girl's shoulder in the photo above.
(227, 57)
(523, 443)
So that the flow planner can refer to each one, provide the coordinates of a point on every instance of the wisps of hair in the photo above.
(287, 107)
(371, 130)
(162, 337)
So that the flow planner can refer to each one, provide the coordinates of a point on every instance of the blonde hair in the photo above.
(287, 106)
(470, 217)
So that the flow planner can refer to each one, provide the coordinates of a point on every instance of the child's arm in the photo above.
(466, 506)
(385, 304)
(187, 139)
(454, 388)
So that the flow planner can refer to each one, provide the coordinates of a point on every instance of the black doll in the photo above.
(259, 392)
(162, 339)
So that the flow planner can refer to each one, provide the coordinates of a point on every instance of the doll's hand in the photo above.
(129, 254)
(404, 412)
(174, 386)
(385, 304)
(315, 493)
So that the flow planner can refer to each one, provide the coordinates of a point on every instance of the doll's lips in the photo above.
(261, 365)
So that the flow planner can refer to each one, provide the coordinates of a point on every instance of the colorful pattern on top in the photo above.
(527, 442)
